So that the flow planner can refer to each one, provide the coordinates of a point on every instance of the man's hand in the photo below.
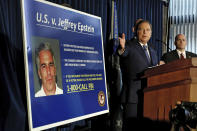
(161, 62)
(122, 41)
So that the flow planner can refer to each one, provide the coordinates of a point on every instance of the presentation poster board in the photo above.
(64, 60)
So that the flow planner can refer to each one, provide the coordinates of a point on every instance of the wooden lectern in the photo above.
(167, 84)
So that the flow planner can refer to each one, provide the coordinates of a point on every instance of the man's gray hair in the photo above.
(43, 46)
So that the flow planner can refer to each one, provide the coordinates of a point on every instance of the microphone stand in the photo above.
(168, 48)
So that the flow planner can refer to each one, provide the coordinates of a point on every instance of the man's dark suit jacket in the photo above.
(133, 62)
(173, 55)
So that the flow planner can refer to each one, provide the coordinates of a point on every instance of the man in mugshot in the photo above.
(46, 69)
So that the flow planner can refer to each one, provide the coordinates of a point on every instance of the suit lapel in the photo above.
(141, 52)
(151, 55)
(176, 54)
(187, 55)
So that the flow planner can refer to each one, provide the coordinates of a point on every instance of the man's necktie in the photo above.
(181, 56)
(145, 47)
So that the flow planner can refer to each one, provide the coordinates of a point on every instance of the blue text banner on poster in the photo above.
(76, 42)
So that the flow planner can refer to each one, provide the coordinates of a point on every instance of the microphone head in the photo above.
(163, 44)
(158, 40)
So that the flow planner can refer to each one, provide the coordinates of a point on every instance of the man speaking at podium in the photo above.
(179, 53)
(139, 56)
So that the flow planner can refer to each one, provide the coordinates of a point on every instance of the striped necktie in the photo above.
(145, 47)
(181, 56)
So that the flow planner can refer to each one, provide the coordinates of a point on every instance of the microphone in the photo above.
(164, 44)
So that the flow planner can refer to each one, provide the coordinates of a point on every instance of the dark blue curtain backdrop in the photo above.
(151, 10)
(13, 109)
(12, 79)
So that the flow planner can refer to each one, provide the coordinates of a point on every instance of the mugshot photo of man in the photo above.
(46, 71)
(45, 67)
